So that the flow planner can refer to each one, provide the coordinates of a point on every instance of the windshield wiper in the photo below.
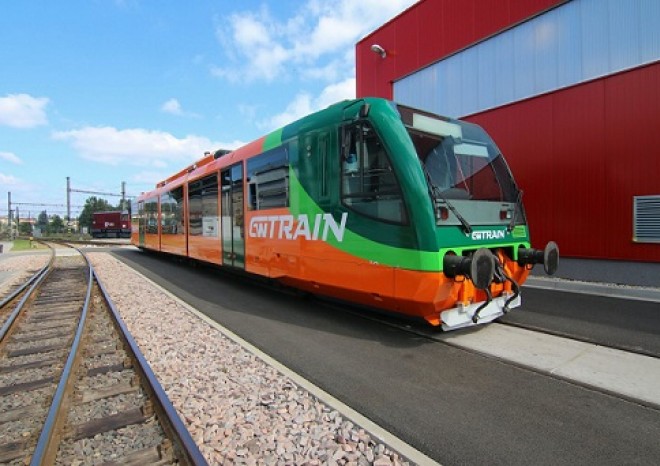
(435, 191)
(512, 223)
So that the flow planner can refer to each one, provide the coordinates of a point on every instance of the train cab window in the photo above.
(268, 179)
(369, 185)
(171, 212)
(203, 207)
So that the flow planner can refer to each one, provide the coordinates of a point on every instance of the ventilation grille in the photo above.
(646, 219)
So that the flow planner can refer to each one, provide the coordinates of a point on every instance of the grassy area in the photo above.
(25, 245)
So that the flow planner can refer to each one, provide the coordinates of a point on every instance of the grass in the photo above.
(26, 245)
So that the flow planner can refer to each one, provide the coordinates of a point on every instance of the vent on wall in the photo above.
(646, 219)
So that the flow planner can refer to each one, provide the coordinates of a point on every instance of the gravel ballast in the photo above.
(239, 409)
(21, 268)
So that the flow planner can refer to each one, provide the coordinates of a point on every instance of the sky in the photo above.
(112, 91)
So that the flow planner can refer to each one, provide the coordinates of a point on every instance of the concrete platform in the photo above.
(630, 375)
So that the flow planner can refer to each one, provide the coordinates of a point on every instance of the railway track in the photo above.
(74, 388)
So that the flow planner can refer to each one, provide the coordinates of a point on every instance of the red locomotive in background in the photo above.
(111, 224)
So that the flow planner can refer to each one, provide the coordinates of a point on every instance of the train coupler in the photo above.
(549, 257)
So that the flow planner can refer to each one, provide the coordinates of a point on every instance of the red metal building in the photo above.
(569, 90)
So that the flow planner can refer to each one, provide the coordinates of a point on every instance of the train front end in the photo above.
(480, 225)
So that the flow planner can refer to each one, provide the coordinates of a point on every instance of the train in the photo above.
(367, 201)
(111, 224)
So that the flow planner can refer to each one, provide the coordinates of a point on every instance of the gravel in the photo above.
(111, 445)
(21, 268)
(238, 409)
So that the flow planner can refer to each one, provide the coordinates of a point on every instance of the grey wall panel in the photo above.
(576, 42)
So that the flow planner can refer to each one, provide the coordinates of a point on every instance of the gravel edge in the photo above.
(238, 408)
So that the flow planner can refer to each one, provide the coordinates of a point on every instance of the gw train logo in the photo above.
(488, 234)
(291, 227)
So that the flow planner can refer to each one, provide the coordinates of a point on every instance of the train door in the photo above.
(140, 222)
(232, 220)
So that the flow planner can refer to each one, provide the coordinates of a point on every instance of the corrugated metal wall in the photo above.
(573, 43)
(580, 153)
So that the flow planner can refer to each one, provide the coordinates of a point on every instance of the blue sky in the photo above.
(106, 91)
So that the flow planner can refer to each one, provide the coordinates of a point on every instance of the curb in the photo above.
(638, 293)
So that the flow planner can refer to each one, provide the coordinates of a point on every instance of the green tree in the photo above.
(56, 224)
(24, 228)
(42, 222)
(124, 205)
(92, 204)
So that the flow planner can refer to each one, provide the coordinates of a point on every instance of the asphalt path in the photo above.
(456, 406)
(622, 323)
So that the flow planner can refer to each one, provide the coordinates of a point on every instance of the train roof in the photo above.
(343, 110)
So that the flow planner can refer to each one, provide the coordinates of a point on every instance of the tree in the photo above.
(25, 228)
(42, 222)
(124, 205)
(92, 204)
(56, 224)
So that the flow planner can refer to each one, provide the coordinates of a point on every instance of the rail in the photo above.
(52, 437)
(40, 453)
(36, 276)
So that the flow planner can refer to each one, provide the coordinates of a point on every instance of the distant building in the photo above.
(569, 90)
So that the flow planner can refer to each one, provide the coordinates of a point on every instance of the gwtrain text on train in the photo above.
(367, 201)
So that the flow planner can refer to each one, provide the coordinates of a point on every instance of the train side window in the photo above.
(369, 185)
(268, 179)
(323, 161)
(171, 212)
(137, 213)
(203, 207)
(151, 215)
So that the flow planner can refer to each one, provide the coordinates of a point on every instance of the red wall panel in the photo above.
(581, 154)
(431, 30)
(424, 51)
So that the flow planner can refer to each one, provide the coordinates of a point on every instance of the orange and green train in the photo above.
(367, 201)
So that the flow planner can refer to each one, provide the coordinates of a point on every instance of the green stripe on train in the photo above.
(359, 246)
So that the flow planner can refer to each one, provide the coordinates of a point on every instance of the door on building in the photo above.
(233, 228)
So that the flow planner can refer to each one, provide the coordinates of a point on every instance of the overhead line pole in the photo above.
(68, 199)
(9, 213)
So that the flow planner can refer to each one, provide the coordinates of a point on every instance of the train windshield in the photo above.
(460, 159)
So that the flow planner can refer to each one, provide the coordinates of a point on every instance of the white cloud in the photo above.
(9, 180)
(173, 107)
(336, 92)
(23, 111)
(148, 177)
(262, 47)
(139, 147)
(10, 157)
(304, 104)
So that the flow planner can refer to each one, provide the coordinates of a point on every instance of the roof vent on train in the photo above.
(220, 152)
